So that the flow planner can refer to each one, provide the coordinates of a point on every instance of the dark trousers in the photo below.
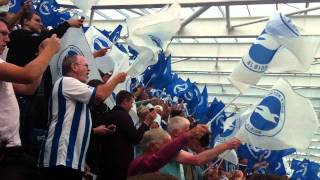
(60, 173)
(15, 164)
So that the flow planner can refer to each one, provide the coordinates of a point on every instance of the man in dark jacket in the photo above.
(118, 147)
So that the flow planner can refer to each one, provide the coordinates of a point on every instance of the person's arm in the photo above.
(100, 53)
(206, 156)
(27, 89)
(103, 91)
(63, 27)
(155, 161)
(33, 70)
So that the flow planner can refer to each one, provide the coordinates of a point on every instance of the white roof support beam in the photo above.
(102, 14)
(194, 16)
(129, 4)
(123, 13)
(136, 12)
(267, 18)
(216, 27)
(91, 17)
(213, 50)
(228, 24)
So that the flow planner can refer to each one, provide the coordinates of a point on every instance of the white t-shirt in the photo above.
(70, 127)
(9, 115)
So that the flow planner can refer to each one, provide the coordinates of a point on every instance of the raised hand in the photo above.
(52, 44)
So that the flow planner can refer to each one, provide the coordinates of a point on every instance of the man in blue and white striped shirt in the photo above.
(64, 152)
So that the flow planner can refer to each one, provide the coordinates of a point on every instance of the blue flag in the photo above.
(305, 170)
(50, 16)
(15, 5)
(202, 107)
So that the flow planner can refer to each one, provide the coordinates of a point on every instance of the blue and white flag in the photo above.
(278, 49)
(305, 170)
(275, 119)
(177, 88)
(202, 107)
(230, 128)
(73, 42)
(15, 5)
(98, 41)
(150, 34)
(49, 13)
(257, 155)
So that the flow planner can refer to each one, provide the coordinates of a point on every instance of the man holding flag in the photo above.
(20, 54)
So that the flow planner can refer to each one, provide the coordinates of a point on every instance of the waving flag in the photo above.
(98, 41)
(230, 127)
(50, 16)
(305, 170)
(275, 119)
(15, 5)
(150, 34)
(177, 88)
(165, 77)
(73, 42)
(257, 155)
(84, 5)
(278, 49)
(191, 97)
(202, 107)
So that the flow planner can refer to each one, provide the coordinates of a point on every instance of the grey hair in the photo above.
(177, 122)
(155, 135)
(67, 62)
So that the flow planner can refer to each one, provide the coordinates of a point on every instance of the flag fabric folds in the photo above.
(98, 41)
(86, 5)
(73, 42)
(278, 49)
(150, 34)
(305, 170)
(275, 119)
(202, 106)
(50, 16)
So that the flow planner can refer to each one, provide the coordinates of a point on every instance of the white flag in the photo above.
(278, 49)
(230, 128)
(150, 34)
(97, 41)
(73, 42)
(282, 120)
(84, 5)
(294, 55)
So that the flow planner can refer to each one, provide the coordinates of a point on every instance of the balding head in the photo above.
(177, 125)
(154, 139)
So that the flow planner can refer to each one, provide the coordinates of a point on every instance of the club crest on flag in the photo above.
(258, 153)
(278, 166)
(260, 53)
(69, 51)
(12, 3)
(269, 116)
(228, 132)
(180, 88)
(188, 96)
(44, 8)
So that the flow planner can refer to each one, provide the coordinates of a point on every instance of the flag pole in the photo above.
(217, 115)
(146, 85)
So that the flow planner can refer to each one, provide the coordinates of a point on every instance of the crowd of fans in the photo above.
(82, 136)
